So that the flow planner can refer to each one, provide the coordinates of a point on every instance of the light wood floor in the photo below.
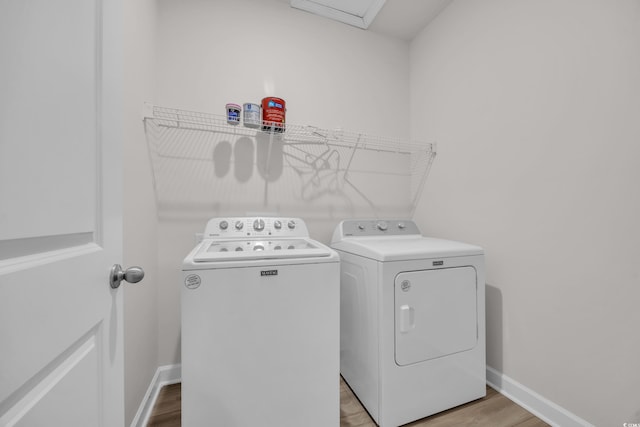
(494, 410)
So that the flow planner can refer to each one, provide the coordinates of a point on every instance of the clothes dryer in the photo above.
(260, 327)
(412, 319)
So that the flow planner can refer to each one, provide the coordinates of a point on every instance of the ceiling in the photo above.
(402, 19)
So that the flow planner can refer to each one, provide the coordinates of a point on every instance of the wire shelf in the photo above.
(204, 166)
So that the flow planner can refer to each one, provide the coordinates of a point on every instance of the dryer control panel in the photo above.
(376, 227)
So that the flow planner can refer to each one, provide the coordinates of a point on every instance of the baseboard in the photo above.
(542, 408)
(164, 375)
(539, 406)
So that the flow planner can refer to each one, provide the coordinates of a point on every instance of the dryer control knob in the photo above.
(401, 225)
(291, 224)
(224, 225)
(258, 224)
(382, 226)
(239, 225)
(277, 224)
(360, 227)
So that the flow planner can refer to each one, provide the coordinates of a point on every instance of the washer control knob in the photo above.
(258, 224)
(291, 224)
(277, 248)
(382, 226)
(401, 225)
(239, 225)
(360, 227)
(277, 224)
(258, 248)
(224, 225)
(239, 249)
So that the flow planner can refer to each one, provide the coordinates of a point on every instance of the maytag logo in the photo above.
(268, 272)
(437, 263)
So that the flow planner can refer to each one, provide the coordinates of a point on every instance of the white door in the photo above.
(61, 358)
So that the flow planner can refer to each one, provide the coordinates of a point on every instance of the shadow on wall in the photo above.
(494, 320)
(202, 173)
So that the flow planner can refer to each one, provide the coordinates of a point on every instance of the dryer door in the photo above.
(435, 313)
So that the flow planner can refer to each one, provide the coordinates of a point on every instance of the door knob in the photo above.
(131, 275)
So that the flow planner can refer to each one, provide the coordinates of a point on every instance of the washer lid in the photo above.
(400, 248)
(253, 249)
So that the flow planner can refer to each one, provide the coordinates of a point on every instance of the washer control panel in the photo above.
(239, 227)
(378, 227)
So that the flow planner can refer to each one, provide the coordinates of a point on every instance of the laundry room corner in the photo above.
(356, 213)
(533, 106)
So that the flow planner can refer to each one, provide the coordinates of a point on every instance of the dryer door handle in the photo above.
(407, 318)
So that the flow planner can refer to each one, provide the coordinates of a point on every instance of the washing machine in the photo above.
(412, 331)
(260, 326)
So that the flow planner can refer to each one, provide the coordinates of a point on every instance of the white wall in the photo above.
(535, 106)
(140, 217)
(211, 52)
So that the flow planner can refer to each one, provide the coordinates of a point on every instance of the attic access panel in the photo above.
(359, 13)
